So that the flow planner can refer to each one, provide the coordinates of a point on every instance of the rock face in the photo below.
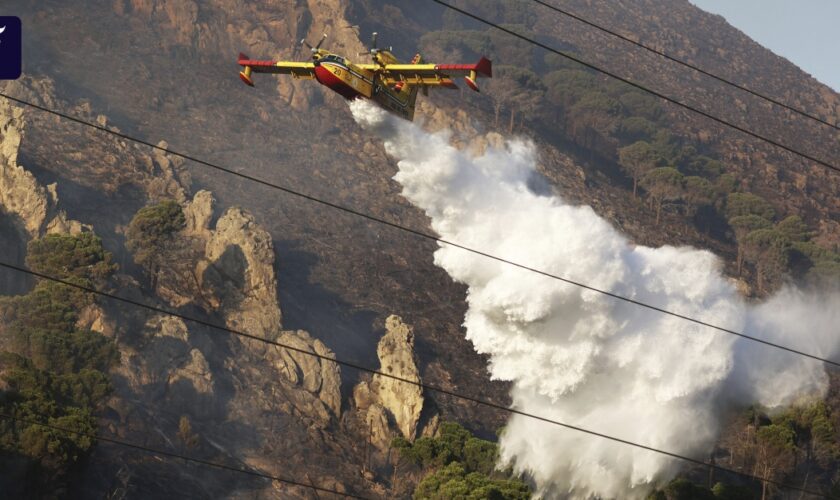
(20, 193)
(21, 196)
(169, 179)
(27, 209)
(198, 214)
(93, 317)
(239, 269)
(317, 376)
(373, 414)
(165, 365)
(385, 397)
(234, 263)
(396, 357)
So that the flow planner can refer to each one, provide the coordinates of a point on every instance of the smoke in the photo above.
(583, 358)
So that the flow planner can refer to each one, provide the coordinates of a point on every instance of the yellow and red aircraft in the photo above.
(392, 85)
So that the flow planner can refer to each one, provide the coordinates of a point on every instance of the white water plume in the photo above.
(583, 358)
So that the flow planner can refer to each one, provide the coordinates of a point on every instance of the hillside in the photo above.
(252, 257)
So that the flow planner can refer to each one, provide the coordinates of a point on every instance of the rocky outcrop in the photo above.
(196, 372)
(235, 270)
(93, 317)
(226, 269)
(396, 357)
(165, 365)
(168, 177)
(315, 375)
(198, 214)
(238, 268)
(20, 193)
(21, 196)
(384, 398)
(377, 421)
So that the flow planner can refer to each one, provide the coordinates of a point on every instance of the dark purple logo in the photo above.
(10, 48)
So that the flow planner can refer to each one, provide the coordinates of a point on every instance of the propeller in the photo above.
(373, 49)
(316, 47)
(321, 41)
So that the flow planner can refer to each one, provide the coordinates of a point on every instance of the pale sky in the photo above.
(803, 31)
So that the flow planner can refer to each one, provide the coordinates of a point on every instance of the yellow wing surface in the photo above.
(305, 70)
(433, 74)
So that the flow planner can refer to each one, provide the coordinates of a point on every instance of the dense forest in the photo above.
(54, 371)
(51, 370)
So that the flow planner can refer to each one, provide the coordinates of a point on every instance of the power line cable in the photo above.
(421, 234)
(155, 451)
(686, 64)
(417, 383)
(642, 87)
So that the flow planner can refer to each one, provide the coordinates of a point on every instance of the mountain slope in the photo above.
(165, 70)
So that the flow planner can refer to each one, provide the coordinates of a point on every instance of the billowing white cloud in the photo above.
(580, 357)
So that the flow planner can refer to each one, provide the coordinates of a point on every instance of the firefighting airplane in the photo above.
(392, 85)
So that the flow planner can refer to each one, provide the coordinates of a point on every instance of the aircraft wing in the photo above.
(305, 70)
(435, 74)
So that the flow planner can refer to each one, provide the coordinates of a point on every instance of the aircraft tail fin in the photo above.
(484, 67)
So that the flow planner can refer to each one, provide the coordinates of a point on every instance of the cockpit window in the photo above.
(333, 58)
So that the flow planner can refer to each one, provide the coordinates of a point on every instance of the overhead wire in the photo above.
(423, 234)
(417, 383)
(686, 64)
(641, 87)
(159, 452)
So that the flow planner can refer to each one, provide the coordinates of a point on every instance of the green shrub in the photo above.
(151, 227)
(65, 255)
(462, 466)
(748, 204)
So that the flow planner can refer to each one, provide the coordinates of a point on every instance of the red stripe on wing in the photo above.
(482, 67)
(256, 64)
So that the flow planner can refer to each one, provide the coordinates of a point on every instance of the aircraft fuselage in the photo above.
(353, 82)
